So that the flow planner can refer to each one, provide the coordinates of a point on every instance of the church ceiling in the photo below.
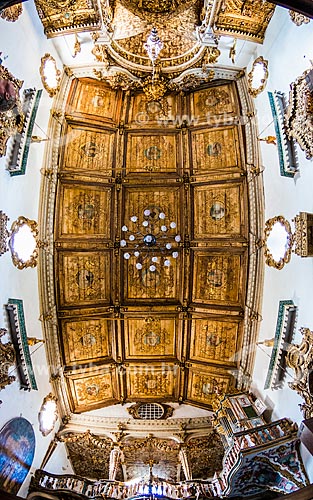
(129, 334)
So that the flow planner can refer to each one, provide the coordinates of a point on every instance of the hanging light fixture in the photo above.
(151, 240)
(153, 45)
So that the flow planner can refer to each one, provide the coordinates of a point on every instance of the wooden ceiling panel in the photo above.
(218, 211)
(207, 105)
(93, 99)
(88, 149)
(205, 383)
(157, 199)
(162, 285)
(215, 149)
(152, 153)
(151, 382)
(91, 388)
(85, 278)
(151, 337)
(84, 211)
(156, 114)
(214, 340)
(86, 340)
(218, 278)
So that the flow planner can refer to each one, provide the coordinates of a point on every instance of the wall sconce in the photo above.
(47, 415)
(23, 243)
(257, 78)
(50, 75)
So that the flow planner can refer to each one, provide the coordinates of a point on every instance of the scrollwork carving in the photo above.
(7, 360)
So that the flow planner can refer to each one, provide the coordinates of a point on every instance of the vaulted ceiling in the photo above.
(172, 333)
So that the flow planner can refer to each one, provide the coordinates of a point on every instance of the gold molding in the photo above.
(51, 90)
(12, 13)
(269, 259)
(297, 18)
(254, 91)
(16, 226)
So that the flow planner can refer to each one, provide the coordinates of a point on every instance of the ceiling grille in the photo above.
(150, 411)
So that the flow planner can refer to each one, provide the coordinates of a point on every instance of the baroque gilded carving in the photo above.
(4, 233)
(89, 454)
(244, 19)
(303, 236)
(205, 455)
(299, 113)
(12, 13)
(7, 360)
(11, 115)
(68, 15)
(146, 8)
(300, 359)
(297, 18)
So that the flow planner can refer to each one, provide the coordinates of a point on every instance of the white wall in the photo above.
(287, 48)
(24, 43)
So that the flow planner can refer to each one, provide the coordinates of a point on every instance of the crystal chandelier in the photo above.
(152, 240)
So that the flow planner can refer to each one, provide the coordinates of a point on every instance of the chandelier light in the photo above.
(152, 240)
(153, 45)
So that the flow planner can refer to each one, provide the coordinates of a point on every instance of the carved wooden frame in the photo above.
(42, 429)
(269, 259)
(256, 91)
(16, 226)
(51, 90)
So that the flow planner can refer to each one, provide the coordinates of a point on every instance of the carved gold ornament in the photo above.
(23, 243)
(257, 78)
(297, 18)
(299, 112)
(7, 360)
(12, 13)
(11, 115)
(300, 359)
(50, 75)
(278, 240)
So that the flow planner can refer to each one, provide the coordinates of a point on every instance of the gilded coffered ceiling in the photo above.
(174, 329)
(171, 155)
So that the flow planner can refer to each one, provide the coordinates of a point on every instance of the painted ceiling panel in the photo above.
(161, 332)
